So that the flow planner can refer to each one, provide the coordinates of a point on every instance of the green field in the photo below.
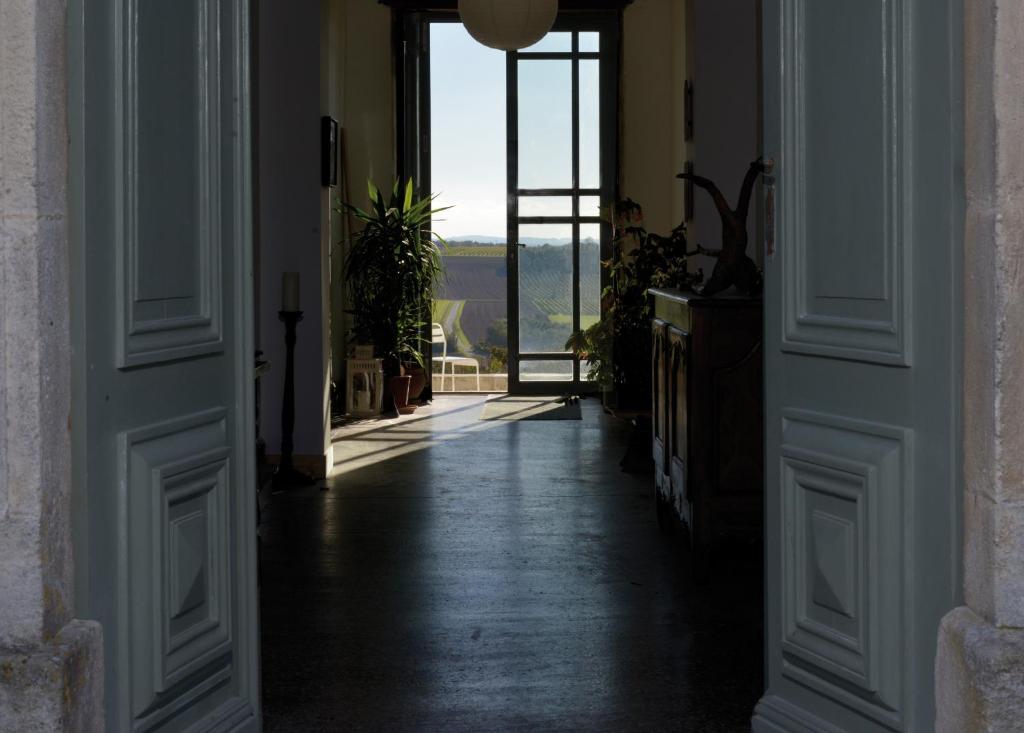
(441, 309)
(564, 319)
(471, 300)
(472, 251)
(449, 314)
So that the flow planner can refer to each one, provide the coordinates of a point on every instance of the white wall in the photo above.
(722, 60)
(726, 66)
(654, 71)
(289, 214)
(315, 58)
(361, 88)
(368, 95)
(652, 149)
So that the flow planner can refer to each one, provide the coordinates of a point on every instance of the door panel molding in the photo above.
(846, 506)
(776, 715)
(676, 439)
(176, 586)
(847, 273)
(659, 382)
(169, 306)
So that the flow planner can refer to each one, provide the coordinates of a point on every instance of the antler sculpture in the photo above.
(732, 266)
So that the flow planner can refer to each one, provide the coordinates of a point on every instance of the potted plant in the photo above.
(640, 261)
(391, 269)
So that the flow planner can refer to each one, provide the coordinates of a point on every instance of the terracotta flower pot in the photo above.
(419, 382)
(400, 391)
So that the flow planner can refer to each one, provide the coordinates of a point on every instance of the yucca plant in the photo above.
(391, 269)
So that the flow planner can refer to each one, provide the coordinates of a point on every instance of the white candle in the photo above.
(290, 292)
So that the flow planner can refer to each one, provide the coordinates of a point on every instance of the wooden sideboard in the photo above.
(708, 415)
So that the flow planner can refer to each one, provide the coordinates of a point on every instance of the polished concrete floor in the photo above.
(462, 575)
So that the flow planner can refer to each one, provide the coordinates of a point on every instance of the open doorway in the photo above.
(522, 148)
(468, 166)
(475, 573)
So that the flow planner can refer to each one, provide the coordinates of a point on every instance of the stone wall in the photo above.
(980, 664)
(48, 662)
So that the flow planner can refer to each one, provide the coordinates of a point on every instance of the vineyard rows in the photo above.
(476, 277)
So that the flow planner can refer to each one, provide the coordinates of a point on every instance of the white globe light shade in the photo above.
(508, 25)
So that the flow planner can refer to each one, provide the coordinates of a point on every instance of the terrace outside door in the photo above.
(561, 127)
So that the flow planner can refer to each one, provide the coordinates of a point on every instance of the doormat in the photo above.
(530, 408)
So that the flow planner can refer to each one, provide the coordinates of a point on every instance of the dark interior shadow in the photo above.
(515, 580)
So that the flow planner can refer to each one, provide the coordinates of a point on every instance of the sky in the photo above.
(468, 131)
(467, 108)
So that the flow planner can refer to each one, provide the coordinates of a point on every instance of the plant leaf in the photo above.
(408, 196)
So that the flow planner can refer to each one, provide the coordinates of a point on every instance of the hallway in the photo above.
(463, 575)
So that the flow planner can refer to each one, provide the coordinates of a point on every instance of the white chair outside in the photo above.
(437, 337)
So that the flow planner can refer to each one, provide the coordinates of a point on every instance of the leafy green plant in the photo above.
(617, 348)
(391, 269)
(497, 357)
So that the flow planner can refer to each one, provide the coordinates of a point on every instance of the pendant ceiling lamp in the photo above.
(508, 25)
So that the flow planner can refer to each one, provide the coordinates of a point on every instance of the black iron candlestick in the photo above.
(287, 474)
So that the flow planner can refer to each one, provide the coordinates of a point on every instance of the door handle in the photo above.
(769, 208)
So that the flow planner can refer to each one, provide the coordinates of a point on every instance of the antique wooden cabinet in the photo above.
(707, 413)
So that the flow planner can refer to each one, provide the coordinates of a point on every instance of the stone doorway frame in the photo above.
(979, 670)
(51, 663)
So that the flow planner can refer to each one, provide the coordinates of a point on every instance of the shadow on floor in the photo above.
(496, 578)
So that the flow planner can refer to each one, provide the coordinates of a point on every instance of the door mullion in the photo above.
(558, 191)
(512, 207)
(576, 305)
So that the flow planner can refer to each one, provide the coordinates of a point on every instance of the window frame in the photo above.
(411, 36)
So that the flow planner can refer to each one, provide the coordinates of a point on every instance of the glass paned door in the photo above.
(560, 170)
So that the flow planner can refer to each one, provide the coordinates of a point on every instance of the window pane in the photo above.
(590, 206)
(545, 206)
(468, 151)
(553, 42)
(590, 274)
(545, 287)
(470, 304)
(590, 281)
(468, 157)
(545, 371)
(545, 124)
(590, 124)
(590, 42)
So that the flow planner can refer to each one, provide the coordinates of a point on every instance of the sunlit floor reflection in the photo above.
(367, 442)
(459, 574)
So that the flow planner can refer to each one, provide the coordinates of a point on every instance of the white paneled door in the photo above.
(862, 122)
(165, 532)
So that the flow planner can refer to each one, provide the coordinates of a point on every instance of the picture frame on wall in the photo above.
(328, 152)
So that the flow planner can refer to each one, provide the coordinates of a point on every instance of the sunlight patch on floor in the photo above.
(368, 442)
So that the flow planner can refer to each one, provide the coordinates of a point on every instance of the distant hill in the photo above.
(478, 239)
